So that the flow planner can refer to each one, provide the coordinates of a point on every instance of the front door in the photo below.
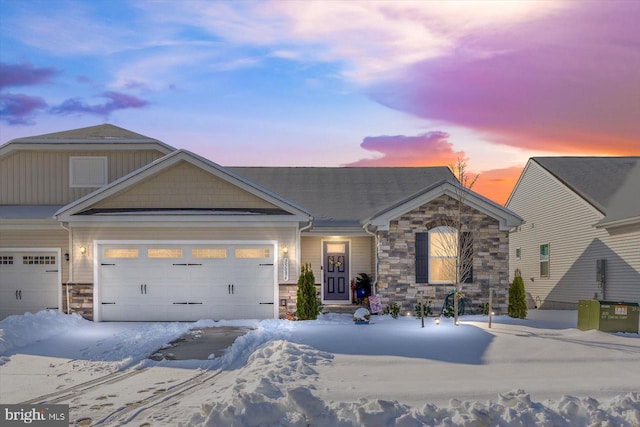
(336, 271)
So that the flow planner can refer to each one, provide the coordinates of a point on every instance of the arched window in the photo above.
(443, 254)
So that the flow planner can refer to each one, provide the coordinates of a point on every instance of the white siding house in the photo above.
(580, 213)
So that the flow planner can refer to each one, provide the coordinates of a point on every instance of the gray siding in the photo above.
(42, 177)
(556, 215)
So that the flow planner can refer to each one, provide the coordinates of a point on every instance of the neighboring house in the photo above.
(114, 225)
(581, 236)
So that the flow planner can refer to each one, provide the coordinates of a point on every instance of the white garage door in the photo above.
(29, 282)
(148, 282)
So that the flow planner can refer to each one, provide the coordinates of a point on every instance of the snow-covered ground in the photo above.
(535, 372)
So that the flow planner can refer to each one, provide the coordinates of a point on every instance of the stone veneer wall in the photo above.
(80, 297)
(290, 294)
(396, 271)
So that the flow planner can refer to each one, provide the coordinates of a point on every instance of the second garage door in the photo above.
(185, 282)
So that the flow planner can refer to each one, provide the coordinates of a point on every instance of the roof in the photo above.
(595, 179)
(85, 203)
(100, 134)
(345, 196)
(625, 203)
(28, 211)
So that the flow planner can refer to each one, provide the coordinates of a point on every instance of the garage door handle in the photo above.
(20, 293)
(180, 303)
(182, 264)
(194, 264)
(108, 303)
(195, 303)
(263, 265)
(51, 271)
(145, 288)
(17, 294)
(107, 264)
(266, 303)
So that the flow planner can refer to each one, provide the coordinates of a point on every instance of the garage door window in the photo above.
(121, 253)
(208, 253)
(253, 253)
(46, 260)
(6, 260)
(164, 253)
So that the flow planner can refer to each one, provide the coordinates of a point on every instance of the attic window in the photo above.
(87, 171)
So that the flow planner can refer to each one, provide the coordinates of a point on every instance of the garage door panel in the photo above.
(29, 282)
(189, 282)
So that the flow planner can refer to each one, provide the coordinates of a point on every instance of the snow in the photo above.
(539, 371)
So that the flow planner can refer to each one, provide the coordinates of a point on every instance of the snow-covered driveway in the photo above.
(328, 372)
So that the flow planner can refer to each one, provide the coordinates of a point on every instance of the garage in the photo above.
(178, 281)
(29, 281)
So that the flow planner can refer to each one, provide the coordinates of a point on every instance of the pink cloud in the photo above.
(569, 82)
(429, 149)
(24, 74)
(497, 184)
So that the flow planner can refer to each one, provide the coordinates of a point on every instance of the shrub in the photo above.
(423, 309)
(307, 303)
(517, 299)
(393, 309)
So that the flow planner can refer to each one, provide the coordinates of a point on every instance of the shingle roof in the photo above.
(344, 196)
(100, 132)
(595, 179)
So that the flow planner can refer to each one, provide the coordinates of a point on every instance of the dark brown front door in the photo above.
(336, 271)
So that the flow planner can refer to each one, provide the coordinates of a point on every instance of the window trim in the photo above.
(440, 229)
(72, 174)
(547, 261)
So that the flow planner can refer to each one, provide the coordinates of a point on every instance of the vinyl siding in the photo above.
(54, 239)
(362, 254)
(555, 215)
(42, 177)
(184, 186)
(83, 264)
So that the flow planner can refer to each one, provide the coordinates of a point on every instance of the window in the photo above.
(253, 253)
(87, 171)
(164, 253)
(443, 250)
(437, 256)
(121, 253)
(46, 260)
(518, 253)
(544, 260)
(8, 260)
(209, 253)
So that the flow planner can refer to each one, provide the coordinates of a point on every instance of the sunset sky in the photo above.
(328, 83)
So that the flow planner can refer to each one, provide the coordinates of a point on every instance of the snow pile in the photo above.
(20, 331)
(276, 389)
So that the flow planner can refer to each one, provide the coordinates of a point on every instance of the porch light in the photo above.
(285, 250)
(83, 250)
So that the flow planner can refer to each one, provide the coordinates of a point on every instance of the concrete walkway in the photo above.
(201, 343)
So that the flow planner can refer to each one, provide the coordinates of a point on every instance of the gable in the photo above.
(506, 218)
(183, 186)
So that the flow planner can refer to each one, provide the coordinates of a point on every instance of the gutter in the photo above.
(70, 279)
(377, 259)
(299, 244)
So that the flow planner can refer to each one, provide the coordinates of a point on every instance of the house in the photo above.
(581, 236)
(115, 225)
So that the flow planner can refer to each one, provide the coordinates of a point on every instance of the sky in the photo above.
(333, 83)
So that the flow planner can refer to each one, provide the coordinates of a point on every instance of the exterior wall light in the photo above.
(83, 250)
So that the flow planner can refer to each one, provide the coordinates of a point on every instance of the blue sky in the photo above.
(332, 83)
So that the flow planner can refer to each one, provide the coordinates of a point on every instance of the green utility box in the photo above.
(608, 316)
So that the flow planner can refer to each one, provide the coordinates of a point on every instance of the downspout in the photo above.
(70, 279)
(299, 244)
(377, 259)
